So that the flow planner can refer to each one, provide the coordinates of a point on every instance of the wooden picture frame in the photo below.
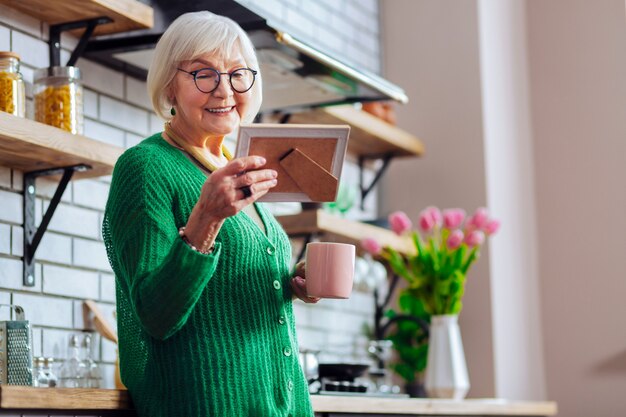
(308, 158)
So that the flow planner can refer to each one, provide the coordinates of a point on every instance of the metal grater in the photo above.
(15, 350)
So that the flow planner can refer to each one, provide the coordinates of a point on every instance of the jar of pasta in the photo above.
(12, 98)
(59, 98)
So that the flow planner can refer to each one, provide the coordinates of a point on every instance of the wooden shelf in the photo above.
(369, 136)
(27, 145)
(336, 229)
(126, 14)
(430, 407)
(29, 398)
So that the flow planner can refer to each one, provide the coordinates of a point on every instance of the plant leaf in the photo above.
(434, 254)
(390, 313)
(471, 258)
(422, 357)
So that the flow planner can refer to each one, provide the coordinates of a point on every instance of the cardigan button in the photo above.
(287, 351)
(281, 320)
(277, 284)
(270, 250)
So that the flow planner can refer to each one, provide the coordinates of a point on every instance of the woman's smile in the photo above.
(220, 110)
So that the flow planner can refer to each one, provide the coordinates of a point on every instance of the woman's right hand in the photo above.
(222, 197)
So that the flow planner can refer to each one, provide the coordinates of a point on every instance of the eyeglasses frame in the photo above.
(219, 78)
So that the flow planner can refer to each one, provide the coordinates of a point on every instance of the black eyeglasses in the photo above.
(208, 79)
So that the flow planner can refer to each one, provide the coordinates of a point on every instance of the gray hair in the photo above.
(190, 36)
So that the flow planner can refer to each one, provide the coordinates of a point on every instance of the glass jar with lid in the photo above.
(12, 98)
(59, 98)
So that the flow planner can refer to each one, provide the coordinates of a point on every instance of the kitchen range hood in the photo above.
(296, 76)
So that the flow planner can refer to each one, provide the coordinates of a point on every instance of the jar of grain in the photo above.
(59, 98)
(12, 99)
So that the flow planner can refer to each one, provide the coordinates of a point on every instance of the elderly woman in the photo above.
(204, 291)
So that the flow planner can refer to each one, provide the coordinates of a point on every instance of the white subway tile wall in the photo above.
(17, 241)
(90, 104)
(5, 176)
(11, 275)
(11, 207)
(5, 239)
(104, 133)
(137, 94)
(107, 287)
(12, 19)
(77, 283)
(75, 221)
(344, 29)
(5, 39)
(71, 261)
(55, 248)
(118, 113)
(46, 188)
(33, 51)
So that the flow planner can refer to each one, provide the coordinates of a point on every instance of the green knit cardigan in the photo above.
(199, 335)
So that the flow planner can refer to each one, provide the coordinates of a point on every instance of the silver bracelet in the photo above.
(181, 233)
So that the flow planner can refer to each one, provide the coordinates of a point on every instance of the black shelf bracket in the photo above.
(54, 40)
(307, 239)
(366, 189)
(33, 235)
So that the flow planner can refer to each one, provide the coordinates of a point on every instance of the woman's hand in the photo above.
(222, 196)
(298, 284)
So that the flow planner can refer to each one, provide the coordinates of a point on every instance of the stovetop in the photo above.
(362, 394)
(354, 388)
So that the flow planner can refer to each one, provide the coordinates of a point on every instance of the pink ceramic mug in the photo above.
(329, 269)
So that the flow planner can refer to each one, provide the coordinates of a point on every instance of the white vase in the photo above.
(446, 371)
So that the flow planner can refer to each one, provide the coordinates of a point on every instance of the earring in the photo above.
(173, 111)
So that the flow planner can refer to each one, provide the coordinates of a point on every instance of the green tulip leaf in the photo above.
(459, 256)
(470, 259)
(443, 287)
(405, 301)
(422, 357)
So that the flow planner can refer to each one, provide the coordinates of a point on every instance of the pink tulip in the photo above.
(475, 238)
(479, 219)
(491, 227)
(426, 221)
(371, 246)
(453, 218)
(400, 222)
(455, 239)
(435, 213)
(429, 218)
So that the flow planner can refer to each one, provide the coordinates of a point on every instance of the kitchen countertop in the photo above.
(117, 403)
(335, 404)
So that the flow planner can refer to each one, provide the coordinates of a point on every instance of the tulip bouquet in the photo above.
(447, 244)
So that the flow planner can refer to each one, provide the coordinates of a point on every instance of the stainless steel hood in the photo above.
(296, 76)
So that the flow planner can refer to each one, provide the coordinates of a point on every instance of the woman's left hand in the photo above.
(298, 284)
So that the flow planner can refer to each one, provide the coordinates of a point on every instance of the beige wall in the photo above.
(430, 48)
(576, 95)
(578, 77)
